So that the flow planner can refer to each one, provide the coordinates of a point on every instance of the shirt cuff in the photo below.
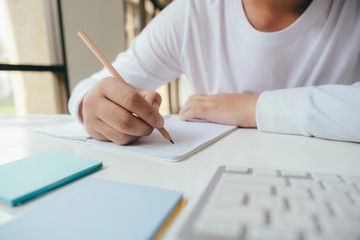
(282, 111)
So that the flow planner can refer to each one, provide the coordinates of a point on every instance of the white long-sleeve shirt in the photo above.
(307, 74)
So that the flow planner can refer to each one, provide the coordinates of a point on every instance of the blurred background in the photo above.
(42, 58)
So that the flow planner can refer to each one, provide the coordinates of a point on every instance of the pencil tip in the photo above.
(172, 141)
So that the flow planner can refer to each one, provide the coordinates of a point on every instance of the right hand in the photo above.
(107, 111)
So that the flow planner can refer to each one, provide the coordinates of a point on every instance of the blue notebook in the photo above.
(96, 209)
(27, 178)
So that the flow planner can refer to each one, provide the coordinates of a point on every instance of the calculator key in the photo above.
(246, 187)
(305, 183)
(335, 197)
(225, 197)
(235, 214)
(293, 193)
(294, 174)
(270, 233)
(217, 228)
(251, 203)
(339, 227)
(309, 207)
(293, 221)
(265, 172)
(267, 202)
(326, 178)
(339, 187)
(231, 177)
(347, 212)
(352, 179)
(237, 169)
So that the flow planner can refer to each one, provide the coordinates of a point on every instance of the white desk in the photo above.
(244, 147)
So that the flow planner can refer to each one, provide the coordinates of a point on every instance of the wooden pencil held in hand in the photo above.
(112, 70)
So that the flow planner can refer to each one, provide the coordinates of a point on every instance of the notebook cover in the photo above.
(96, 209)
(27, 178)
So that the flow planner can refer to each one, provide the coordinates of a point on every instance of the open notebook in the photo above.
(189, 137)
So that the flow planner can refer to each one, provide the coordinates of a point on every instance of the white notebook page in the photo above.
(188, 136)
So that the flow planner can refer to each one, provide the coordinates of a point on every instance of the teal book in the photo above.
(30, 177)
(94, 209)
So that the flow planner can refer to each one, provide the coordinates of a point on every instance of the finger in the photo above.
(95, 134)
(122, 120)
(111, 134)
(194, 108)
(127, 97)
(97, 107)
(116, 136)
(189, 113)
(90, 121)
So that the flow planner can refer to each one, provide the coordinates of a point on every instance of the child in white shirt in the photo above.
(282, 66)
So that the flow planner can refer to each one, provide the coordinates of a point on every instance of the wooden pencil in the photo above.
(112, 70)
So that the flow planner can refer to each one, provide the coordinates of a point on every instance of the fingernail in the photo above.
(159, 123)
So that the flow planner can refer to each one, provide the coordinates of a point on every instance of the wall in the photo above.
(28, 43)
(103, 21)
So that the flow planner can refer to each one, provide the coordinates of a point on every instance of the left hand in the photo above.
(225, 108)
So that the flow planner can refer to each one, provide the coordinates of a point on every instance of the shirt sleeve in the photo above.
(152, 59)
(328, 111)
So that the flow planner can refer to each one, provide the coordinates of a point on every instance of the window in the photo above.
(32, 66)
(35, 75)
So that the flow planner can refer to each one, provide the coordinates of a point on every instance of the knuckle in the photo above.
(156, 94)
(193, 100)
(149, 114)
(197, 96)
(105, 81)
(132, 98)
(102, 84)
(153, 97)
(107, 85)
(192, 97)
(201, 109)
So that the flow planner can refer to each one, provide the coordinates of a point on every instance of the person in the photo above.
(280, 66)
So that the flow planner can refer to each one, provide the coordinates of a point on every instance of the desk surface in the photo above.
(244, 147)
